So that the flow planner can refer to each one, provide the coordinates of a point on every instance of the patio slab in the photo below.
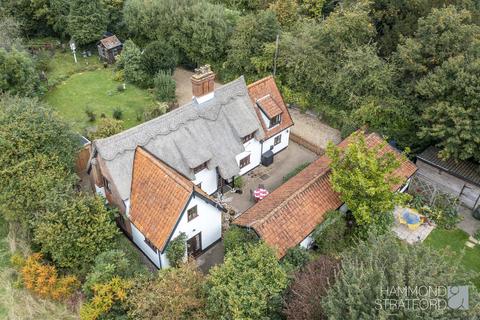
(468, 224)
(211, 257)
(408, 235)
(271, 177)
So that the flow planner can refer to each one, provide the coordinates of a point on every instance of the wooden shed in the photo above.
(109, 47)
(461, 179)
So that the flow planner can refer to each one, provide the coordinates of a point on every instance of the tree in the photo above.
(246, 285)
(373, 268)
(165, 87)
(176, 250)
(204, 32)
(77, 232)
(10, 33)
(331, 235)
(364, 178)
(312, 8)
(32, 14)
(176, 293)
(29, 128)
(452, 116)
(250, 34)
(159, 56)
(308, 287)
(87, 21)
(107, 127)
(131, 61)
(114, 10)
(31, 188)
(108, 264)
(286, 12)
(18, 75)
(236, 238)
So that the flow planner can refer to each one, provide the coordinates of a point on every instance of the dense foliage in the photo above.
(246, 285)
(236, 238)
(176, 250)
(17, 73)
(107, 127)
(331, 236)
(363, 177)
(77, 232)
(164, 86)
(370, 268)
(87, 20)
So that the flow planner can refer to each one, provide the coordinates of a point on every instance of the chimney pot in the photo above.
(203, 81)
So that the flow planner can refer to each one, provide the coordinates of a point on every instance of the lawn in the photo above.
(454, 241)
(88, 84)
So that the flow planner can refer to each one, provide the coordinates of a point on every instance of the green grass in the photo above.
(74, 87)
(454, 241)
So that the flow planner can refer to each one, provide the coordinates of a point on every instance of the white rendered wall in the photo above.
(208, 179)
(139, 240)
(254, 149)
(276, 148)
(209, 222)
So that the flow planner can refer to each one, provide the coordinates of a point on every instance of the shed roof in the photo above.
(266, 92)
(466, 170)
(187, 137)
(291, 212)
(110, 42)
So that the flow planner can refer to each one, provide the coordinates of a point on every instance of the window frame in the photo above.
(193, 209)
(248, 137)
(275, 142)
(200, 168)
(242, 163)
(275, 121)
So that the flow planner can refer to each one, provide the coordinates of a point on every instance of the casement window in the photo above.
(106, 184)
(200, 168)
(245, 161)
(277, 140)
(192, 213)
(151, 245)
(248, 137)
(275, 120)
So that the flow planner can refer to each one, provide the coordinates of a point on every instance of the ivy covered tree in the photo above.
(87, 21)
(363, 177)
(176, 250)
(176, 293)
(17, 73)
(246, 285)
(74, 234)
(371, 270)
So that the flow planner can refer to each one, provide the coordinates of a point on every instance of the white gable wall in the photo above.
(254, 149)
(208, 221)
(267, 144)
(139, 240)
(208, 179)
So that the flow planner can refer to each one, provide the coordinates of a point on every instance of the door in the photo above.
(194, 245)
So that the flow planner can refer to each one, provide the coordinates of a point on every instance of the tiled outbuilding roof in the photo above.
(111, 42)
(265, 92)
(465, 170)
(159, 196)
(291, 212)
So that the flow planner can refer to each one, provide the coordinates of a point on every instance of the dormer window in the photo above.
(200, 168)
(248, 137)
(275, 120)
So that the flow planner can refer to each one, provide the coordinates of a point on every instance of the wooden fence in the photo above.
(82, 160)
(306, 144)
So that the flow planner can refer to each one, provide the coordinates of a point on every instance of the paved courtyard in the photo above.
(271, 177)
(408, 235)
(468, 224)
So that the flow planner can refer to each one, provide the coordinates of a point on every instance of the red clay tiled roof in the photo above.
(266, 90)
(111, 42)
(159, 195)
(269, 106)
(291, 212)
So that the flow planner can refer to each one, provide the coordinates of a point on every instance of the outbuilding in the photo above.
(109, 47)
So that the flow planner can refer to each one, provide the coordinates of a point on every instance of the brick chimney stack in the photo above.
(203, 81)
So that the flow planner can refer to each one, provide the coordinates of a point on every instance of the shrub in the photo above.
(330, 236)
(443, 210)
(295, 258)
(307, 289)
(159, 55)
(90, 114)
(295, 171)
(107, 127)
(117, 113)
(43, 280)
(176, 250)
(164, 86)
(119, 75)
(237, 237)
(107, 265)
(106, 297)
(238, 182)
(155, 110)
